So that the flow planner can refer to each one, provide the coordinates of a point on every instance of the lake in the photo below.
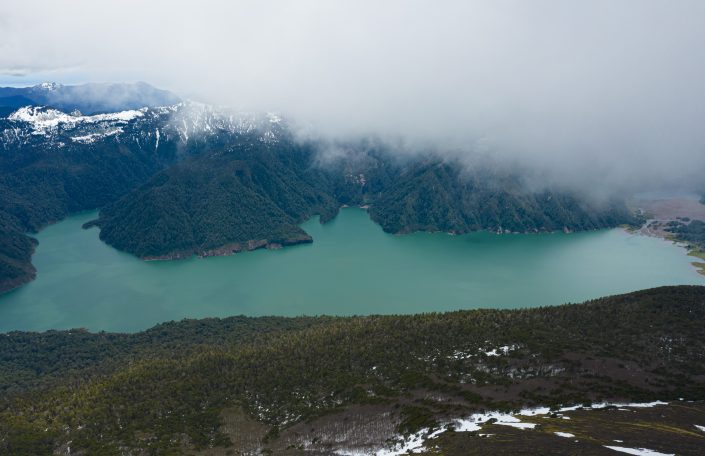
(352, 267)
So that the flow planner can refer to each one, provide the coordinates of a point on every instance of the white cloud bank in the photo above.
(613, 87)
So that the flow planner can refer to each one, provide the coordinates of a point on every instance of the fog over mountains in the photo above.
(189, 178)
(602, 90)
(88, 98)
(458, 153)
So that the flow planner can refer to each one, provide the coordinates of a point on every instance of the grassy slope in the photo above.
(170, 387)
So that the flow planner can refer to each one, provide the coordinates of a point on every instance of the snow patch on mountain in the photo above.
(44, 120)
(92, 137)
(192, 119)
(48, 86)
(181, 122)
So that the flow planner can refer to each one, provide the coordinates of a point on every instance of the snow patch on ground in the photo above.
(535, 411)
(504, 350)
(412, 444)
(92, 137)
(601, 405)
(473, 423)
(638, 451)
(702, 428)
(415, 443)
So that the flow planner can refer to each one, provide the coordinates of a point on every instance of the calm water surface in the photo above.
(352, 267)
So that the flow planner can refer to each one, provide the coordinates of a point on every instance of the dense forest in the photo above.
(175, 388)
(245, 196)
(42, 180)
(436, 195)
(255, 194)
(690, 231)
(15, 253)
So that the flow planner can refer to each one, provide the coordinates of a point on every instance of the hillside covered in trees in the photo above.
(254, 194)
(437, 195)
(187, 179)
(46, 175)
(272, 385)
(245, 196)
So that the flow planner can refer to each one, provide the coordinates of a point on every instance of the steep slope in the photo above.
(435, 195)
(246, 196)
(243, 181)
(53, 163)
(184, 386)
(16, 251)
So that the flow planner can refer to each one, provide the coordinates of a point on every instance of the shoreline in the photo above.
(232, 248)
(648, 230)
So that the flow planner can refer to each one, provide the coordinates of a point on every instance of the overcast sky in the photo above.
(614, 85)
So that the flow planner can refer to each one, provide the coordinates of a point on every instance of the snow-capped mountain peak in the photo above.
(48, 86)
(181, 122)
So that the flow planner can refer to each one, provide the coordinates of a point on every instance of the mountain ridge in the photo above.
(144, 168)
(89, 98)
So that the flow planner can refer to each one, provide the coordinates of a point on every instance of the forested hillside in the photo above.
(45, 178)
(254, 194)
(438, 195)
(15, 253)
(246, 196)
(172, 389)
(189, 179)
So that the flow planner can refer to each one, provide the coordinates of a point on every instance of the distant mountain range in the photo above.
(87, 98)
(174, 178)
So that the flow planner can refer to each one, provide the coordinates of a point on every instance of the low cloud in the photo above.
(599, 93)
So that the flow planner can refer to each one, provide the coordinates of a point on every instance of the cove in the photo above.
(352, 268)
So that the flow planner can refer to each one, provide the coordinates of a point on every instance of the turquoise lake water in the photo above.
(352, 267)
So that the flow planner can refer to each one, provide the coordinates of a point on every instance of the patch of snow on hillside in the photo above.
(414, 444)
(535, 411)
(473, 423)
(601, 405)
(43, 119)
(92, 137)
(49, 86)
(638, 451)
(504, 350)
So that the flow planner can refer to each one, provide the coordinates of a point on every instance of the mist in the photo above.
(598, 93)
